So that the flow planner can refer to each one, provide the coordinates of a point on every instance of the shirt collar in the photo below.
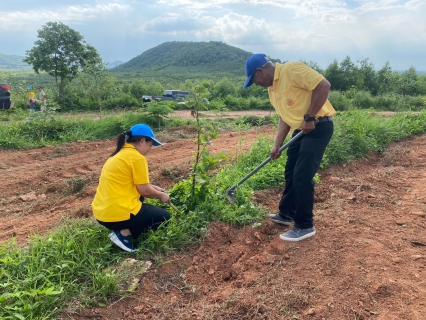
(129, 145)
(277, 72)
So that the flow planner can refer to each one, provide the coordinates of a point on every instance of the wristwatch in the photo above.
(307, 118)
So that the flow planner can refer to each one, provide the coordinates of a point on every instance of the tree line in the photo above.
(81, 80)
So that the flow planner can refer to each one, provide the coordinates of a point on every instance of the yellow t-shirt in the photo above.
(31, 95)
(116, 196)
(291, 92)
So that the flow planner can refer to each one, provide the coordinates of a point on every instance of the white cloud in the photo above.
(27, 21)
(391, 30)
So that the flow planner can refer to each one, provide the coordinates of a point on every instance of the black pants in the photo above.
(303, 161)
(149, 217)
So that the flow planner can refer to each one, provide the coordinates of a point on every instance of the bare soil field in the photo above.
(367, 261)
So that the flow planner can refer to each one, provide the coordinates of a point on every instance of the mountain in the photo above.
(114, 64)
(12, 62)
(181, 60)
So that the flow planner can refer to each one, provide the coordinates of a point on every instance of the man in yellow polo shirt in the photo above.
(299, 95)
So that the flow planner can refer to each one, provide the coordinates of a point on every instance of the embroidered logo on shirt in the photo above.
(290, 102)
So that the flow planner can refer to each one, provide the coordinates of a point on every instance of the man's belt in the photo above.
(324, 119)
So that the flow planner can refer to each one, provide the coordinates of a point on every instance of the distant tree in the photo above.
(421, 85)
(334, 76)
(385, 79)
(407, 82)
(368, 76)
(60, 51)
(187, 86)
(96, 78)
(125, 87)
(223, 88)
(138, 88)
(350, 74)
(155, 88)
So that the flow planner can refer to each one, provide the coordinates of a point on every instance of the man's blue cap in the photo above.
(143, 130)
(30, 88)
(255, 61)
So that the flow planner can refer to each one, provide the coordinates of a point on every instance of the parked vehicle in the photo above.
(176, 94)
(5, 101)
(147, 98)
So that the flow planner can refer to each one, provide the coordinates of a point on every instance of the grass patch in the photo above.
(26, 132)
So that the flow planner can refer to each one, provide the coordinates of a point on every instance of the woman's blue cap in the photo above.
(143, 130)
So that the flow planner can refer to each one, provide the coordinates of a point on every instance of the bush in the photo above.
(362, 100)
(339, 101)
(415, 102)
(387, 101)
(122, 101)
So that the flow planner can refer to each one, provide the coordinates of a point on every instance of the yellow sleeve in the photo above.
(140, 171)
(304, 77)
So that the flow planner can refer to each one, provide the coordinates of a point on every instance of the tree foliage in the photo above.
(60, 51)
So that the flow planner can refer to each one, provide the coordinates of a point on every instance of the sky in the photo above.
(319, 31)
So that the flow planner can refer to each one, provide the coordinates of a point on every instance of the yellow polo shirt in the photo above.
(291, 92)
(116, 196)
(31, 95)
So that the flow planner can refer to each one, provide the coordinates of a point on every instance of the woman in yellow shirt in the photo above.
(31, 98)
(123, 184)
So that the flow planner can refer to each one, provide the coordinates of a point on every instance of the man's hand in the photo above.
(274, 154)
(308, 127)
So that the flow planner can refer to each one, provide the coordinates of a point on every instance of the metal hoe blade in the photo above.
(230, 193)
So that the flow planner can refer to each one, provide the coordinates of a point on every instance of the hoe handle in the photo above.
(260, 166)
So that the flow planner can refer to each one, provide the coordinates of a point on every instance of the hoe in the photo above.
(230, 193)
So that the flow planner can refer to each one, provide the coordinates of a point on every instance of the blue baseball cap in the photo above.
(30, 88)
(143, 130)
(255, 61)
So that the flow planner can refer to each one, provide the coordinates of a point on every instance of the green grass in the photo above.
(24, 129)
(70, 264)
(78, 263)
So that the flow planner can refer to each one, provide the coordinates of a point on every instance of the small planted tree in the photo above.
(198, 102)
(158, 110)
(40, 123)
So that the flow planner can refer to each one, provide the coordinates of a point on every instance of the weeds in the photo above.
(37, 280)
(75, 185)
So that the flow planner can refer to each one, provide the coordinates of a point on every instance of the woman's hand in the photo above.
(164, 197)
(152, 191)
(158, 188)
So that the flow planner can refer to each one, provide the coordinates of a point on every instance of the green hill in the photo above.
(12, 62)
(178, 61)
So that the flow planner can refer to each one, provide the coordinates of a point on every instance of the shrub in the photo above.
(122, 101)
(362, 100)
(339, 100)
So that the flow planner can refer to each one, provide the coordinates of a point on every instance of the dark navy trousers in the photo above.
(303, 160)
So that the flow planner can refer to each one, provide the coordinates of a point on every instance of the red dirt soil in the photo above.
(367, 260)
